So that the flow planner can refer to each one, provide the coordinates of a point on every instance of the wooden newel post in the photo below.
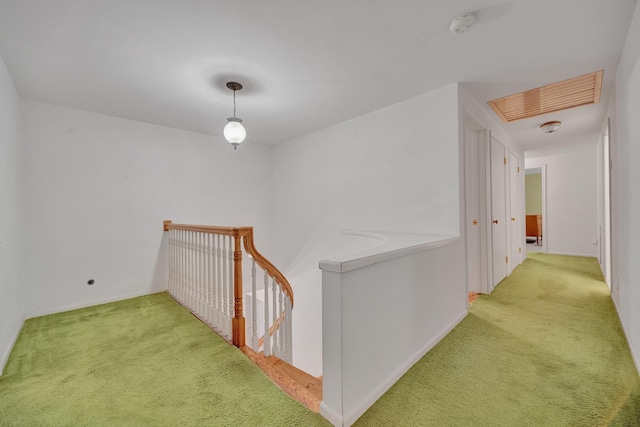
(238, 322)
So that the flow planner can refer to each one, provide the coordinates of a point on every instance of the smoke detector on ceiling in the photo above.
(463, 23)
(550, 127)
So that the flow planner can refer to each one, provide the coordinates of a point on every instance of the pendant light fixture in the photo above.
(234, 131)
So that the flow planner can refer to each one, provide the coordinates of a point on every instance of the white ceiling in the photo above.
(305, 65)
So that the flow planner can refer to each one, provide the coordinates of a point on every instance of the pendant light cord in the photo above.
(234, 103)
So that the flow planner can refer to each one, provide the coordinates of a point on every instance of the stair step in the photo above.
(296, 383)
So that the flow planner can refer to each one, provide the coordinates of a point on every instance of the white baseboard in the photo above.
(376, 393)
(5, 356)
(332, 416)
(38, 313)
(634, 355)
(572, 254)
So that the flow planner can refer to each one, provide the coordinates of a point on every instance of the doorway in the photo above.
(535, 217)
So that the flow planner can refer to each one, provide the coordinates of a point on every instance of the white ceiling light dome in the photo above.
(234, 132)
(463, 23)
(550, 127)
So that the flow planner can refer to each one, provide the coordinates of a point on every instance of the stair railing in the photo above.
(205, 276)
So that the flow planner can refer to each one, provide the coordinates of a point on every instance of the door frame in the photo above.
(607, 219)
(491, 214)
(545, 235)
(545, 217)
(515, 261)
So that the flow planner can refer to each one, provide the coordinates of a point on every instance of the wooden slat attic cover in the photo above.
(570, 93)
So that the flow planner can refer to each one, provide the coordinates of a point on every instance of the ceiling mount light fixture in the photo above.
(463, 23)
(550, 127)
(234, 131)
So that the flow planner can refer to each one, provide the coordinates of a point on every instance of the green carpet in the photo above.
(139, 362)
(544, 349)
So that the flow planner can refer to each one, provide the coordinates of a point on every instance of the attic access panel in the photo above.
(558, 96)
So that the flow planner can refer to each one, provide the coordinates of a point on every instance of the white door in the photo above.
(472, 190)
(498, 211)
(514, 211)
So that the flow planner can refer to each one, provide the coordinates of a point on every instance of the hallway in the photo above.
(545, 348)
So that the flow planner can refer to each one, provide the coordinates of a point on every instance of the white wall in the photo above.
(12, 304)
(625, 137)
(382, 316)
(395, 169)
(97, 189)
(571, 196)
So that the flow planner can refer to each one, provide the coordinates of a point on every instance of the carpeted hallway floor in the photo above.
(140, 362)
(544, 349)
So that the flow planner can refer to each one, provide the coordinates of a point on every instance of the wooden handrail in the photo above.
(264, 263)
(214, 229)
(272, 329)
(246, 235)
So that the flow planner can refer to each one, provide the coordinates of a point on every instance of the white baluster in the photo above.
(274, 341)
(170, 286)
(196, 274)
(194, 271)
(205, 293)
(180, 266)
(219, 297)
(210, 306)
(283, 334)
(254, 308)
(177, 263)
(187, 266)
(267, 339)
(191, 261)
(196, 264)
(203, 274)
(283, 325)
(173, 261)
(176, 266)
(185, 290)
(230, 301)
(201, 295)
(289, 329)
(205, 289)
(225, 288)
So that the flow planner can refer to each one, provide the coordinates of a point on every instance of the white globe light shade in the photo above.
(234, 132)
